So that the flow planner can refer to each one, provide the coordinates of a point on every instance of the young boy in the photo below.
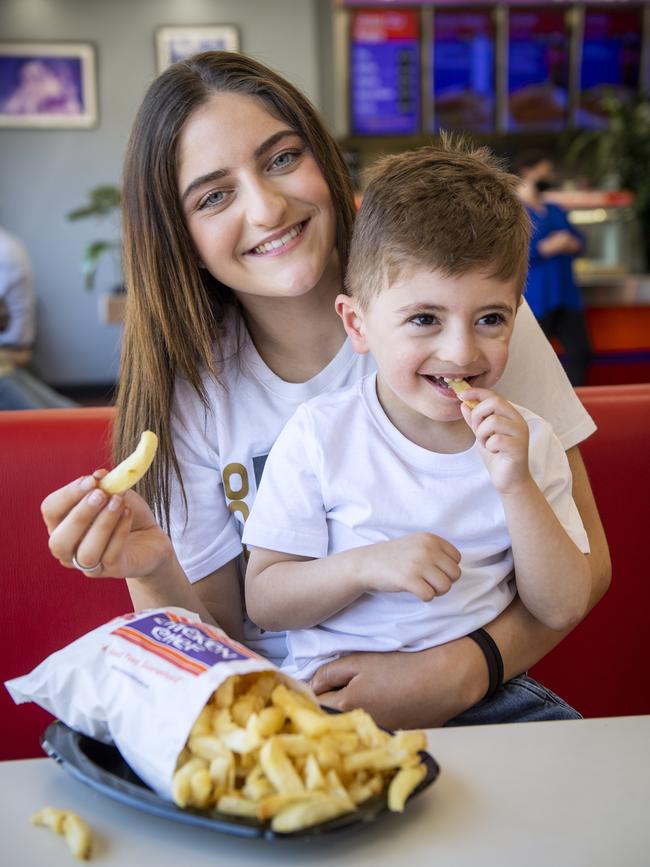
(391, 514)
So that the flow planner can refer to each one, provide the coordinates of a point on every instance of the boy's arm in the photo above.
(534, 484)
(553, 576)
(522, 639)
(287, 591)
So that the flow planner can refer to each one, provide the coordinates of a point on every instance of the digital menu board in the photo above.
(611, 60)
(463, 69)
(538, 69)
(385, 72)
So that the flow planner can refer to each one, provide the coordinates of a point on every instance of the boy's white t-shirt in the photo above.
(341, 476)
(222, 448)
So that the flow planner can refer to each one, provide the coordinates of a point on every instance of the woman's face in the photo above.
(255, 201)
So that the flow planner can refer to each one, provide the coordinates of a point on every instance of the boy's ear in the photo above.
(352, 318)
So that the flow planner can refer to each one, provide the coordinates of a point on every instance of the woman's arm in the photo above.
(428, 688)
(216, 598)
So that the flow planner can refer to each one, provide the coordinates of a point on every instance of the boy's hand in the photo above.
(421, 563)
(502, 436)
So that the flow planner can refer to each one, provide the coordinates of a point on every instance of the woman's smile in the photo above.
(280, 242)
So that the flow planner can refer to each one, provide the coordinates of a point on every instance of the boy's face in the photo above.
(425, 327)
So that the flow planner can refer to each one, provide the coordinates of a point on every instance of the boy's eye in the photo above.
(492, 319)
(423, 319)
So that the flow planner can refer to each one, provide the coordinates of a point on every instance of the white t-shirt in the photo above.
(340, 476)
(222, 450)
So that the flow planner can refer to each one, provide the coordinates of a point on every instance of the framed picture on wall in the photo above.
(176, 42)
(47, 84)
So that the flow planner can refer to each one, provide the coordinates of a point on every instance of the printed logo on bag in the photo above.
(194, 647)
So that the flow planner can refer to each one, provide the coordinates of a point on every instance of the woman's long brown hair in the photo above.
(175, 310)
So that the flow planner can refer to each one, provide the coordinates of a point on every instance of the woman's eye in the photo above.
(212, 200)
(423, 319)
(492, 319)
(285, 159)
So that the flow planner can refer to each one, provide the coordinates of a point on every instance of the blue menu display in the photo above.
(463, 70)
(385, 72)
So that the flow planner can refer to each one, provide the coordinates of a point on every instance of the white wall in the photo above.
(46, 173)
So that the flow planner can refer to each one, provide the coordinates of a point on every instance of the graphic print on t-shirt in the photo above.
(236, 487)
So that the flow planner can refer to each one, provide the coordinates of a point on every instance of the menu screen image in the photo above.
(611, 59)
(463, 69)
(385, 72)
(538, 69)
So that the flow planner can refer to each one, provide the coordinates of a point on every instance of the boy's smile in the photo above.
(426, 328)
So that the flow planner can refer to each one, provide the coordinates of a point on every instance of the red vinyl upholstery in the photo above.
(44, 605)
(601, 668)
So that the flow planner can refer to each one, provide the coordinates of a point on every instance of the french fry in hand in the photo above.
(133, 468)
(263, 750)
(459, 386)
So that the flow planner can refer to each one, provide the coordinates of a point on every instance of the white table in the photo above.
(558, 794)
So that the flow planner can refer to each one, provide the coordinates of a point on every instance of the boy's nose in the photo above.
(459, 349)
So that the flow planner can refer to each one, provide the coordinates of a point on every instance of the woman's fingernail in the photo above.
(96, 498)
(114, 504)
(87, 483)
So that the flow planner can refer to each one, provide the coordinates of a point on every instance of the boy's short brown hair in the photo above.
(449, 207)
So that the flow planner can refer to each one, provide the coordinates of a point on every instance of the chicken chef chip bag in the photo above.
(140, 681)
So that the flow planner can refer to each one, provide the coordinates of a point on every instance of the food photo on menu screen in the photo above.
(538, 69)
(610, 63)
(463, 69)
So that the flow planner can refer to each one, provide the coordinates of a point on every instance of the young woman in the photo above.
(237, 216)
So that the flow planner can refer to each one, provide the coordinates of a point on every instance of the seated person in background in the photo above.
(551, 290)
(19, 389)
(433, 505)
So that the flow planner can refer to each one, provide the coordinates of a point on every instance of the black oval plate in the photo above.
(102, 767)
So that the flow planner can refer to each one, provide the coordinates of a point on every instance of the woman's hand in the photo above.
(406, 690)
(118, 532)
(502, 436)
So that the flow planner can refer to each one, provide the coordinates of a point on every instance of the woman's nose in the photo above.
(265, 205)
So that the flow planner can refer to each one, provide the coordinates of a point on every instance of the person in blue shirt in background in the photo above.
(551, 290)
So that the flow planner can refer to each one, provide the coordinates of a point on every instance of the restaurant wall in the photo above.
(44, 173)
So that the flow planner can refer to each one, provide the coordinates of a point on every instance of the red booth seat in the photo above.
(600, 668)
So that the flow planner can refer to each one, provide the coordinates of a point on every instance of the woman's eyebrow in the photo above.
(209, 178)
(216, 175)
(271, 141)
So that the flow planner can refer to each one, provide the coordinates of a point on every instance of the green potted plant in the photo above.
(619, 155)
(103, 202)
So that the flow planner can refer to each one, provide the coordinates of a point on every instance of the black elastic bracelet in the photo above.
(492, 657)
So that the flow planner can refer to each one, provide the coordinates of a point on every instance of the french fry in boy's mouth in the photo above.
(459, 386)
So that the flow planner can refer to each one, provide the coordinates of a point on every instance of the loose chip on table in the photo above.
(76, 832)
(263, 750)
